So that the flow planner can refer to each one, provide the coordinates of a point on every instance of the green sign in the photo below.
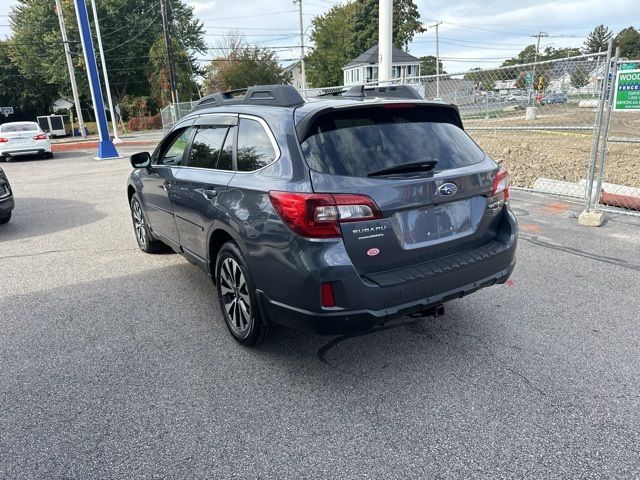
(627, 66)
(627, 90)
(529, 78)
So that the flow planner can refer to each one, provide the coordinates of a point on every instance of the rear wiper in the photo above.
(424, 166)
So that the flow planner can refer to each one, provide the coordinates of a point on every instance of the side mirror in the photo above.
(140, 160)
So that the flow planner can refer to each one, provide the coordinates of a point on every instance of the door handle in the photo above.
(210, 194)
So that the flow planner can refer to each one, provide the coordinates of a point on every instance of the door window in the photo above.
(255, 149)
(174, 153)
(206, 146)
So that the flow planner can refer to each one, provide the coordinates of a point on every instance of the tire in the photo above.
(238, 299)
(3, 158)
(5, 219)
(146, 242)
(48, 155)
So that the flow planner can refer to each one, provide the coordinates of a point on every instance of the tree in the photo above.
(597, 40)
(241, 65)
(348, 30)
(28, 95)
(158, 73)
(406, 23)
(629, 42)
(579, 78)
(129, 30)
(428, 65)
(332, 36)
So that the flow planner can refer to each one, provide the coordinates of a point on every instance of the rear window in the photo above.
(361, 141)
(19, 127)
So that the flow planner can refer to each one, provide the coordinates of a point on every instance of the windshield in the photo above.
(359, 142)
(19, 127)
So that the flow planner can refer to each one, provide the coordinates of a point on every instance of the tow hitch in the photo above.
(435, 312)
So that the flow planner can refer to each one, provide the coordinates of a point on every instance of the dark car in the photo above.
(6, 198)
(330, 214)
(555, 98)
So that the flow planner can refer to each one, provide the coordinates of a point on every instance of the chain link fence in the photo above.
(550, 123)
(174, 112)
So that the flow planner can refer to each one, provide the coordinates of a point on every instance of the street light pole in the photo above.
(385, 41)
(72, 75)
(116, 139)
(436, 25)
(106, 148)
(302, 66)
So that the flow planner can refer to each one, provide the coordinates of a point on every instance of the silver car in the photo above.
(23, 138)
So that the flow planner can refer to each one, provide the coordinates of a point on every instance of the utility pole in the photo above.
(116, 139)
(436, 25)
(302, 67)
(539, 35)
(106, 148)
(385, 41)
(72, 75)
(166, 26)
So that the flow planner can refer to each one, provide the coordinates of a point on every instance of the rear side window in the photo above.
(358, 142)
(255, 149)
(206, 146)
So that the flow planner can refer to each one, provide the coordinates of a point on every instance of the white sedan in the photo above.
(23, 138)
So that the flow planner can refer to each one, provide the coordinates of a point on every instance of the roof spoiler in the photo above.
(389, 91)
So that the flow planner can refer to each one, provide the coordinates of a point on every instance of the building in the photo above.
(364, 68)
(293, 73)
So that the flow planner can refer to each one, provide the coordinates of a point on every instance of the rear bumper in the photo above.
(402, 292)
(26, 150)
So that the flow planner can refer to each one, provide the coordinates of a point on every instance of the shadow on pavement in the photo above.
(33, 217)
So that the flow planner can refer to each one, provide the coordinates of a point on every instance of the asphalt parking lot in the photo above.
(117, 364)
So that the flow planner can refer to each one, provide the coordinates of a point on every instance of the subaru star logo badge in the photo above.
(447, 189)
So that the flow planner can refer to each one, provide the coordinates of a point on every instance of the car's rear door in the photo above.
(202, 183)
(436, 209)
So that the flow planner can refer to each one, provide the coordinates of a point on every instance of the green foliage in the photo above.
(29, 94)
(406, 23)
(579, 78)
(334, 47)
(158, 73)
(348, 30)
(148, 122)
(598, 40)
(129, 29)
(629, 42)
(428, 65)
(242, 65)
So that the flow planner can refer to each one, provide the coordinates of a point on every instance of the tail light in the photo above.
(40, 136)
(318, 215)
(501, 183)
(3, 140)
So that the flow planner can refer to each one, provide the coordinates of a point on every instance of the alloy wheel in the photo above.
(235, 297)
(138, 223)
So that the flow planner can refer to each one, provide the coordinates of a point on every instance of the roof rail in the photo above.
(362, 91)
(273, 95)
(393, 91)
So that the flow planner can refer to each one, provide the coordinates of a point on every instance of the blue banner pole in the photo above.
(106, 148)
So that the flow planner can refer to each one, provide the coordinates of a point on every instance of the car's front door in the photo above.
(158, 182)
(202, 183)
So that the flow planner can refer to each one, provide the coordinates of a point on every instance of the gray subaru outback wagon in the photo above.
(327, 214)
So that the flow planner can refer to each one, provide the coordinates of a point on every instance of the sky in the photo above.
(473, 33)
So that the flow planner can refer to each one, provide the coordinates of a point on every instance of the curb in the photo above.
(79, 146)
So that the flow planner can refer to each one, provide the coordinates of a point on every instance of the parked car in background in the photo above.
(554, 98)
(23, 138)
(6, 198)
(331, 214)
(520, 96)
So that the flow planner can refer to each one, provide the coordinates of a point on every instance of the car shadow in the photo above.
(34, 217)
